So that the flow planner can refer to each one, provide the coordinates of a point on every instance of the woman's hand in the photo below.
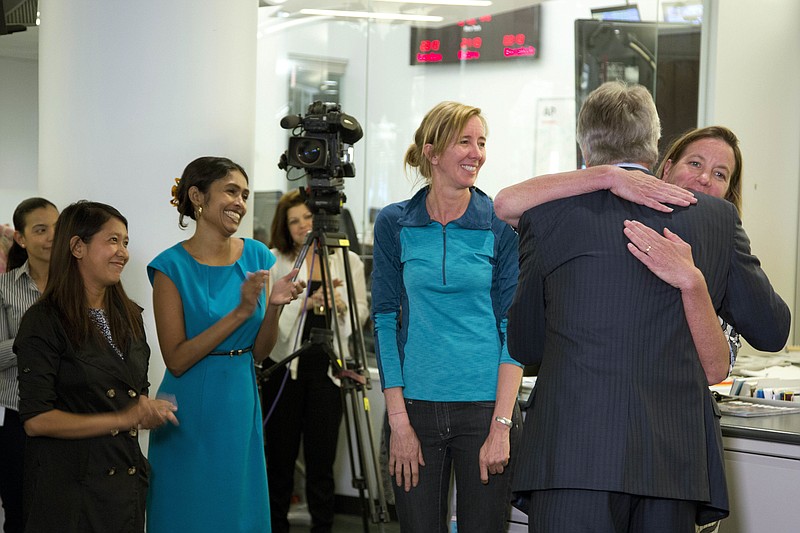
(405, 453)
(251, 290)
(338, 300)
(317, 299)
(148, 413)
(495, 452)
(285, 290)
(644, 189)
(669, 257)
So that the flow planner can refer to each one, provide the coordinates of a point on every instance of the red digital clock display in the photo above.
(507, 36)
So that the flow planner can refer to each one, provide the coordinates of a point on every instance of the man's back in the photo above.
(621, 402)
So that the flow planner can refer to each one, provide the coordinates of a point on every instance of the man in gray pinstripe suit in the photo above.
(622, 433)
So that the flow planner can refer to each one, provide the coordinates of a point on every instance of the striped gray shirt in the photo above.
(18, 292)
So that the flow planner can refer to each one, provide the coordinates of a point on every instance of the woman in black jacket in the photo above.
(83, 361)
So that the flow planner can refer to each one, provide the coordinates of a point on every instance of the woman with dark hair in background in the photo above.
(213, 321)
(304, 400)
(23, 283)
(83, 361)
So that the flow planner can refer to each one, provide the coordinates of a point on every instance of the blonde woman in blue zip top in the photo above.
(445, 270)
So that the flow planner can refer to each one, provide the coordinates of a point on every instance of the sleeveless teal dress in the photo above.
(209, 473)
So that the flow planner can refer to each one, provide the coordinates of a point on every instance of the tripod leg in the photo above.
(364, 463)
(359, 351)
(378, 508)
(354, 441)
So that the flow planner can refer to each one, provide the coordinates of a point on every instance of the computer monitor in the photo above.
(629, 12)
(684, 12)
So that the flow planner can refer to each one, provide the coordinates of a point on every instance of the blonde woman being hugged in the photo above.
(213, 321)
(304, 402)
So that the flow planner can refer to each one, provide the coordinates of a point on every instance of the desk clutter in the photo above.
(750, 397)
(750, 407)
(761, 386)
(787, 390)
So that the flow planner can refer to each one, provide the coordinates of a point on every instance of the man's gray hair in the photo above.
(619, 123)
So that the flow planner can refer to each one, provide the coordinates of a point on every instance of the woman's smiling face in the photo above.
(459, 164)
(705, 166)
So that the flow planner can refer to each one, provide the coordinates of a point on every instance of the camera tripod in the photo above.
(353, 373)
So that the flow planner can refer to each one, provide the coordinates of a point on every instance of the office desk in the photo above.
(762, 462)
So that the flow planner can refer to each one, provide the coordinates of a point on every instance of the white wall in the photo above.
(753, 89)
(128, 99)
(19, 132)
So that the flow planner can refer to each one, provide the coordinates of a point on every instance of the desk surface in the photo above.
(775, 428)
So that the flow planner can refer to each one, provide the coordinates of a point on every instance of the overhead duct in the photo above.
(18, 15)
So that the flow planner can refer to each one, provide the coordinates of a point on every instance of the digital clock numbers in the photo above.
(504, 36)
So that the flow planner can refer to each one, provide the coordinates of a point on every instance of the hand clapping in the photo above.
(285, 290)
(317, 299)
(148, 413)
(252, 287)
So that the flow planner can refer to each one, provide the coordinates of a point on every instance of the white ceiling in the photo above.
(451, 14)
(26, 44)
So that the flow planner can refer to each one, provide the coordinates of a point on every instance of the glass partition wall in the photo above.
(526, 64)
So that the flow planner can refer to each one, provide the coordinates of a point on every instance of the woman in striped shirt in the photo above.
(28, 263)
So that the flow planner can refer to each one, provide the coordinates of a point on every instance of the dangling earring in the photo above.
(199, 211)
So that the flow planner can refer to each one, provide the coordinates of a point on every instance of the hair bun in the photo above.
(174, 200)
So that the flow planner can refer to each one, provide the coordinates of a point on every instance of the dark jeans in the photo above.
(309, 408)
(12, 447)
(594, 511)
(451, 435)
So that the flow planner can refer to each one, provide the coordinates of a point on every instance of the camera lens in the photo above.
(309, 152)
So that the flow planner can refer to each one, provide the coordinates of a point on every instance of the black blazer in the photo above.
(621, 401)
(80, 485)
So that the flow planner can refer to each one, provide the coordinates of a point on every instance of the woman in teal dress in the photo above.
(213, 321)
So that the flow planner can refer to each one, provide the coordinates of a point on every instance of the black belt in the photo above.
(231, 353)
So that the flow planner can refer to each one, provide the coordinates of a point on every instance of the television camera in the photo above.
(321, 144)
